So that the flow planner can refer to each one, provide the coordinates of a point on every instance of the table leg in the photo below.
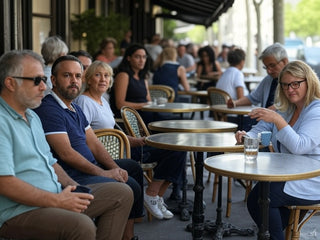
(198, 214)
(220, 228)
(185, 207)
(264, 200)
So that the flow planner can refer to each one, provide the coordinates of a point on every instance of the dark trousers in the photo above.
(278, 213)
(170, 164)
(135, 181)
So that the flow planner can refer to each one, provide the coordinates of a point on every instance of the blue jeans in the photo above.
(278, 213)
(135, 181)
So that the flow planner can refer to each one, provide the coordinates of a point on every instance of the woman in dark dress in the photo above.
(207, 67)
(131, 84)
(131, 89)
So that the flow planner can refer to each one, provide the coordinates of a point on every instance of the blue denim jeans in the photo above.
(278, 213)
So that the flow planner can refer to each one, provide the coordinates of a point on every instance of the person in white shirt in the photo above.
(232, 80)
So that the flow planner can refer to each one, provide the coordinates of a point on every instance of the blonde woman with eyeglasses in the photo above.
(295, 129)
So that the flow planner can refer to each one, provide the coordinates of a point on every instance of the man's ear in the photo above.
(286, 61)
(10, 83)
(53, 80)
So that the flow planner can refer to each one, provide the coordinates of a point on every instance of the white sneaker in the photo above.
(163, 208)
(151, 203)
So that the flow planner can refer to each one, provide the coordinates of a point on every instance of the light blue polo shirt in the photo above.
(25, 154)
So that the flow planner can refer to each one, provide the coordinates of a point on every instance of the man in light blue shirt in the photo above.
(32, 202)
(274, 58)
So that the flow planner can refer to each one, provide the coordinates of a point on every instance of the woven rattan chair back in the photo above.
(115, 142)
(157, 91)
(133, 122)
(217, 96)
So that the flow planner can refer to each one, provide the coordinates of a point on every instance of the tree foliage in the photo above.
(168, 26)
(303, 19)
(92, 29)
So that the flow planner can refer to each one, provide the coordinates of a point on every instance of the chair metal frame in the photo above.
(165, 91)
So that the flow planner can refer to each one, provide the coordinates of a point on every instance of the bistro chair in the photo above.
(219, 96)
(157, 91)
(135, 127)
(298, 218)
(115, 142)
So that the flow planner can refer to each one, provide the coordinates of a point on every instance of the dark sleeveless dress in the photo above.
(136, 92)
(167, 75)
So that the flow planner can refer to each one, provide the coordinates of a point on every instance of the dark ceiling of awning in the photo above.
(202, 12)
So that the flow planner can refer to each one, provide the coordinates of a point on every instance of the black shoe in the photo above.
(135, 238)
(175, 196)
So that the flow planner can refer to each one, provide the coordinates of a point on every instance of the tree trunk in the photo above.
(250, 63)
(278, 22)
(259, 47)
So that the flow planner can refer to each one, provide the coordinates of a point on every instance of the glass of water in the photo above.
(251, 148)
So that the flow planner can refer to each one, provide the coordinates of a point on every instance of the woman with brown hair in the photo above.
(107, 52)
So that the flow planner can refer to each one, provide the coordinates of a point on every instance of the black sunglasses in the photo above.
(37, 80)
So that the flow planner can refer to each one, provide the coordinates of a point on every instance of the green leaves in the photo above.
(92, 29)
(303, 18)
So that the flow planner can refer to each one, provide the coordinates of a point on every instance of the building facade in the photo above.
(25, 24)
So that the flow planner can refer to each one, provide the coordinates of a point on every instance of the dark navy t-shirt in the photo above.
(56, 120)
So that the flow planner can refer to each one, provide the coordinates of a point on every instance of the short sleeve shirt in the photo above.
(230, 80)
(57, 118)
(99, 116)
(25, 154)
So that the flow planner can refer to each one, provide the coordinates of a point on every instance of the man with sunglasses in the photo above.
(33, 204)
(274, 58)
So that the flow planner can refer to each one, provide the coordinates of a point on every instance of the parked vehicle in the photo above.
(295, 48)
(312, 58)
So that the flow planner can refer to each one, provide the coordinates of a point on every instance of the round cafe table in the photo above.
(196, 95)
(176, 107)
(270, 167)
(239, 110)
(197, 126)
(197, 142)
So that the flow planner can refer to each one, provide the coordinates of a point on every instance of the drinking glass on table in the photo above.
(251, 148)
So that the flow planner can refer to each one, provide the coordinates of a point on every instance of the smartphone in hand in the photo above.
(82, 189)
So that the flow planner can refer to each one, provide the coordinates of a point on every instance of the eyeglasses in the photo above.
(37, 80)
(293, 85)
(271, 66)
